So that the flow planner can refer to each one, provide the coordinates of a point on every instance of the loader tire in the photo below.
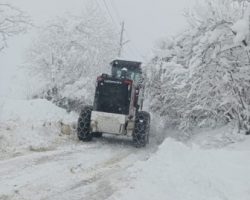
(141, 129)
(83, 126)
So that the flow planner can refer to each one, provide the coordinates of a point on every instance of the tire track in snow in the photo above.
(91, 170)
(99, 176)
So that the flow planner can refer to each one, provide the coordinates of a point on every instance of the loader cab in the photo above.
(132, 69)
(119, 92)
(112, 96)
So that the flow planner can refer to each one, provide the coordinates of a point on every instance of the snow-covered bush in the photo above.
(201, 77)
(69, 54)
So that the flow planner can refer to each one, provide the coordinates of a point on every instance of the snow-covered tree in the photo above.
(71, 52)
(12, 22)
(214, 71)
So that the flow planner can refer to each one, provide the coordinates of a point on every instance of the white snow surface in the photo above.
(38, 161)
(177, 171)
(242, 30)
(31, 125)
(241, 27)
(32, 111)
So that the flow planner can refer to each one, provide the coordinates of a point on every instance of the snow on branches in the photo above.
(70, 53)
(12, 22)
(211, 62)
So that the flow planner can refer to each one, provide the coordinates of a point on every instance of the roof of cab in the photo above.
(126, 63)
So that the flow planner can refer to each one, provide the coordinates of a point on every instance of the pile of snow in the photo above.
(178, 171)
(32, 111)
(33, 125)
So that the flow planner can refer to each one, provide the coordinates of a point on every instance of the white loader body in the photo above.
(111, 123)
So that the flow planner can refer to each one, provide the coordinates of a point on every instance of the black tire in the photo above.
(83, 125)
(97, 134)
(141, 129)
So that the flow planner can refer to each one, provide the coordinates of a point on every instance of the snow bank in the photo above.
(180, 172)
(32, 125)
(32, 111)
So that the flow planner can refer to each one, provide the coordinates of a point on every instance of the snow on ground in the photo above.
(31, 111)
(31, 125)
(177, 171)
(77, 171)
(39, 161)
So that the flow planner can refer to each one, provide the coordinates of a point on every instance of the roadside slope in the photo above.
(177, 171)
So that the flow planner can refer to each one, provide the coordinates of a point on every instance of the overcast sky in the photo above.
(145, 22)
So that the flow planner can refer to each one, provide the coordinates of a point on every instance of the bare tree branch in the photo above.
(12, 22)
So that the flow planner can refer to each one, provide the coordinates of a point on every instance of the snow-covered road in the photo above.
(38, 161)
(74, 171)
(110, 168)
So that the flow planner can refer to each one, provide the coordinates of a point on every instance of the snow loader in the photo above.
(117, 107)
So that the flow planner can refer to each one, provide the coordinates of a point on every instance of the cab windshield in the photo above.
(131, 74)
